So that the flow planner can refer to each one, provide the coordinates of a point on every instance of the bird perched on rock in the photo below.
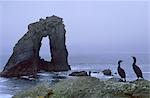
(121, 71)
(136, 69)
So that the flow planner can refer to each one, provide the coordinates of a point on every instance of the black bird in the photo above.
(121, 72)
(136, 69)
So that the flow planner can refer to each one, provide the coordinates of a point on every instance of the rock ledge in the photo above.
(89, 87)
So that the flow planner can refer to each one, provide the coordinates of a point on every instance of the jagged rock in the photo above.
(107, 72)
(25, 59)
(81, 73)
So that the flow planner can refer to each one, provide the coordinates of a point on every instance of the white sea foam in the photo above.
(3, 79)
(5, 96)
(43, 74)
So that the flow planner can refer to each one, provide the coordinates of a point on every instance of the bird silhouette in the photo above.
(121, 71)
(136, 69)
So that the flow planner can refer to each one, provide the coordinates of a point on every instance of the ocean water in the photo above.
(8, 87)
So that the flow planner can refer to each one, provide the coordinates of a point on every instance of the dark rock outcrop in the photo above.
(81, 73)
(25, 59)
(107, 72)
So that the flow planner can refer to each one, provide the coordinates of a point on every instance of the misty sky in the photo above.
(93, 27)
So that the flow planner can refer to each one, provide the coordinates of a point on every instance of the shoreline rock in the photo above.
(80, 73)
(107, 72)
(90, 87)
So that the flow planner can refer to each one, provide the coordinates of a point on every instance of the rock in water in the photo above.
(25, 58)
(107, 72)
(81, 73)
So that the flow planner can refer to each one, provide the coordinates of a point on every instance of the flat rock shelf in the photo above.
(90, 87)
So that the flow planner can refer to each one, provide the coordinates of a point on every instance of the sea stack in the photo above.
(25, 59)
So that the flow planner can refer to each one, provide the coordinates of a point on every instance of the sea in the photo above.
(10, 86)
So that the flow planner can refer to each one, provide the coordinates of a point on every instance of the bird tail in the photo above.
(142, 77)
(124, 79)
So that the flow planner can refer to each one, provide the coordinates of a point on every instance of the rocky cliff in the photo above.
(25, 59)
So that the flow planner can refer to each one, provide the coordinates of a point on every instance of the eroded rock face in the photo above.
(25, 59)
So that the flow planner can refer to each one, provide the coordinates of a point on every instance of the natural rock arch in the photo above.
(25, 59)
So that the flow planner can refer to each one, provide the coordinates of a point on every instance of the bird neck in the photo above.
(118, 65)
(134, 61)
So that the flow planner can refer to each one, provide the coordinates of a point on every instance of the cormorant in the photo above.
(136, 69)
(121, 72)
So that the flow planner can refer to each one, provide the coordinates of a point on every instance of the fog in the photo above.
(93, 27)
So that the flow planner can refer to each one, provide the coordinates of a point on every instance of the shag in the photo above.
(121, 72)
(136, 69)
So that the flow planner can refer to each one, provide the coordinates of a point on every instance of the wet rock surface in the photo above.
(89, 87)
(80, 73)
(25, 59)
(115, 79)
(107, 72)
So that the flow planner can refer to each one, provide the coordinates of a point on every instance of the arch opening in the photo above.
(45, 52)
